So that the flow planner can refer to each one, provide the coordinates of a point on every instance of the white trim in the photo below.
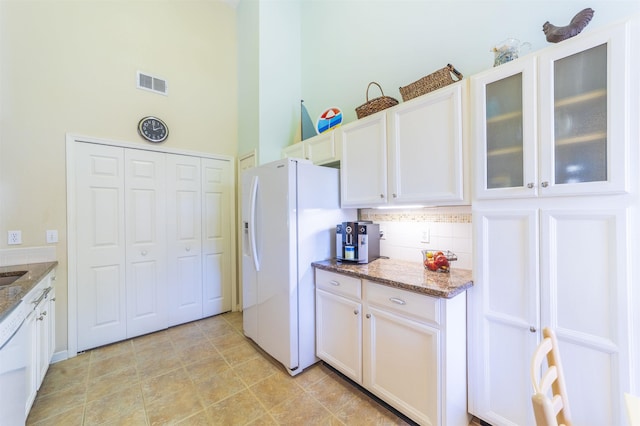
(71, 137)
(59, 356)
(72, 285)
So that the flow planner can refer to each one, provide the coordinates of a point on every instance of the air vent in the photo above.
(151, 83)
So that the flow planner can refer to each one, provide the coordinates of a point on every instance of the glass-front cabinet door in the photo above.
(554, 123)
(583, 119)
(505, 128)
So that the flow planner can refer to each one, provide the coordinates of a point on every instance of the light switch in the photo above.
(52, 236)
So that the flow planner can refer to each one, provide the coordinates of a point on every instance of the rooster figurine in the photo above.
(555, 34)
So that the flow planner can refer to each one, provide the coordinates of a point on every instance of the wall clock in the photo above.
(153, 129)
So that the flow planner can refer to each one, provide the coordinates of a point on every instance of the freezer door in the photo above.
(249, 272)
(269, 260)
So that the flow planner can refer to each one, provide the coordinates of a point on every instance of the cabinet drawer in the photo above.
(404, 302)
(339, 284)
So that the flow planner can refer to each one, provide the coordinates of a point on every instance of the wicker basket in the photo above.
(436, 80)
(374, 105)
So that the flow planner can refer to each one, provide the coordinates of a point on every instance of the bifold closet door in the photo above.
(146, 241)
(184, 238)
(100, 242)
(217, 233)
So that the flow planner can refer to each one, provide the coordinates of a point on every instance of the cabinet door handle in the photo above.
(336, 283)
(545, 184)
(381, 195)
(39, 299)
(397, 301)
(394, 196)
(368, 315)
(356, 312)
(530, 185)
(532, 329)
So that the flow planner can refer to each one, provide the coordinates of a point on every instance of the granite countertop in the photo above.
(12, 294)
(406, 275)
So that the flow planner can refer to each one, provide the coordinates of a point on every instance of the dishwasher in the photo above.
(14, 344)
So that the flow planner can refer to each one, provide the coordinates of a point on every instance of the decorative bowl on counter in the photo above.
(438, 260)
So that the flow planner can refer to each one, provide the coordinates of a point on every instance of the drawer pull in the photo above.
(336, 283)
(397, 301)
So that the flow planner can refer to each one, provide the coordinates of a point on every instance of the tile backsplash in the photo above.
(407, 232)
(26, 255)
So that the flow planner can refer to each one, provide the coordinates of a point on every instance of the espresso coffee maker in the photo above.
(358, 242)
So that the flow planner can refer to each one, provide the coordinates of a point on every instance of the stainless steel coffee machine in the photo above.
(358, 241)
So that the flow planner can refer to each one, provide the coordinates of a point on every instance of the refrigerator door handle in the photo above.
(252, 223)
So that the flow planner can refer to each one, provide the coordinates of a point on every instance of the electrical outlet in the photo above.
(52, 236)
(14, 237)
(426, 236)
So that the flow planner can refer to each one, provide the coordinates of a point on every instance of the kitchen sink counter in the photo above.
(406, 275)
(12, 294)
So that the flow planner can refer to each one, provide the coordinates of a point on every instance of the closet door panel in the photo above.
(217, 231)
(184, 233)
(99, 172)
(146, 282)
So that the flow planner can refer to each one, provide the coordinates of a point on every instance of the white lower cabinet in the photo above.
(551, 266)
(45, 323)
(408, 349)
(41, 325)
(339, 322)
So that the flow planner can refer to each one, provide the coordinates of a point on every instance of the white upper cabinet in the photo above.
(505, 130)
(425, 148)
(363, 170)
(321, 149)
(410, 154)
(583, 90)
(554, 123)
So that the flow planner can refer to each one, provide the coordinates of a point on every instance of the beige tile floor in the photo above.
(201, 373)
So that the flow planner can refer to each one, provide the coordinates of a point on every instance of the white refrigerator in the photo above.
(290, 209)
